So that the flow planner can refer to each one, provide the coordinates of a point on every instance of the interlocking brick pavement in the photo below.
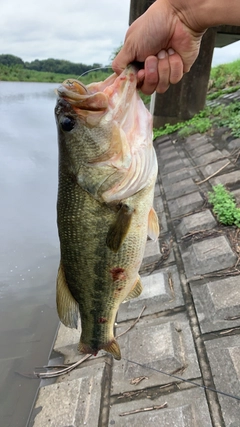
(190, 326)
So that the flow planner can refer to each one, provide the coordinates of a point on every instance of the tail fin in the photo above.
(111, 347)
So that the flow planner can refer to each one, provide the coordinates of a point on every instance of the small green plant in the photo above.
(218, 115)
(167, 129)
(196, 125)
(224, 206)
(213, 95)
(199, 123)
(225, 75)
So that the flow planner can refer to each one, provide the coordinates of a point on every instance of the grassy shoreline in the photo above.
(17, 73)
(223, 79)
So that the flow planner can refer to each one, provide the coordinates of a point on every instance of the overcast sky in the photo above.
(85, 31)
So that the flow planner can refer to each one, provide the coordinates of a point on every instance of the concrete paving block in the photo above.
(196, 140)
(162, 223)
(235, 143)
(167, 156)
(179, 175)
(161, 291)
(66, 336)
(170, 258)
(225, 152)
(168, 147)
(159, 208)
(156, 190)
(230, 178)
(158, 204)
(230, 96)
(224, 358)
(163, 142)
(185, 204)
(214, 167)
(67, 344)
(187, 408)
(209, 157)
(202, 149)
(152, 252)
(200, 221)
(236, 194)
(74, 402)
(216, 303)
(207, 256)
(179, 189)
(163, 343)
(168, 167)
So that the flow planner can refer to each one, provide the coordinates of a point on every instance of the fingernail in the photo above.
(161, 54)
(171, 51)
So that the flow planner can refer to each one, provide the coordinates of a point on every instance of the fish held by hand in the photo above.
(107, 174)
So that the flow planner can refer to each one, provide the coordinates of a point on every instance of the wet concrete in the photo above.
(29, 250)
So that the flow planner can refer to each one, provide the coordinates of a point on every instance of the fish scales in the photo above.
(102, 233)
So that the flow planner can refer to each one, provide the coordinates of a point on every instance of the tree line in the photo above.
(60, 66)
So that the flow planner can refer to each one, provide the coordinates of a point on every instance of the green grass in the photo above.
(225, 76)
(224, 206)
(18, 73)
(211, 116)
(213, 95)
(223, 79)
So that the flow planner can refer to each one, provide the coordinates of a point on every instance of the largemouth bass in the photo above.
(107, 173)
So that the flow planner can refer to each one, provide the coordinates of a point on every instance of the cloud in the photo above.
(77, 30)
(86, 31)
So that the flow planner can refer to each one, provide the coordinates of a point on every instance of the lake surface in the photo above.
(29, 249)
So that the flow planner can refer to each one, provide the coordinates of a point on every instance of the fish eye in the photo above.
(67, 123)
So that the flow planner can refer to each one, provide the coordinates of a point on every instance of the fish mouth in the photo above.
(98, 97)
(78, 95)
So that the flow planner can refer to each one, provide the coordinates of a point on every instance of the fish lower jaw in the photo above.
(111, 347)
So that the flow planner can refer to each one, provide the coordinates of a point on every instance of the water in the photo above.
(29, 249)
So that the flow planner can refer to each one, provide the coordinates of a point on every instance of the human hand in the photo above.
(164, 40)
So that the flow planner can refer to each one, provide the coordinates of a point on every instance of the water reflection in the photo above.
(29, 251)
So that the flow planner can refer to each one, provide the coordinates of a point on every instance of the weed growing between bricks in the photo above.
(224, 206)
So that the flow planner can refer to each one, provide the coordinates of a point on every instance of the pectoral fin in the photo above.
(119, 228)
(67, 306)
(153, 225)
(135, 291)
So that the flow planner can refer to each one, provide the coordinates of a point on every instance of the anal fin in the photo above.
(153, 225)
(119, 228)
(67, 306)
(135, 291)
